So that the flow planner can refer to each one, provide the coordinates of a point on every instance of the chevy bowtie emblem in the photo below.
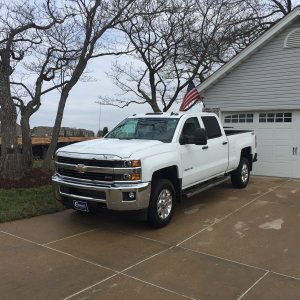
(81, 168)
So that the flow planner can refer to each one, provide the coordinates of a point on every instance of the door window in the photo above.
(212, 127)
(190, 126)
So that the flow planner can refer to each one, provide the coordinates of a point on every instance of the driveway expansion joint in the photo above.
(253, 285)
(70, 236)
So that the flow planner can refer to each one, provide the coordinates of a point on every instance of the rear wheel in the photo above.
(162, 203)
(240, 176)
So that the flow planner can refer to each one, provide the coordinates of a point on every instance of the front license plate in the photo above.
(80, 205)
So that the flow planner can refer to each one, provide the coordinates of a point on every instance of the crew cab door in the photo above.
(194, 159)
(217, 146)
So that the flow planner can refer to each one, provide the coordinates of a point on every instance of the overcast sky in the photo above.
(81, 111)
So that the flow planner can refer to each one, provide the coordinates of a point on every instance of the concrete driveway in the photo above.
(221, 244)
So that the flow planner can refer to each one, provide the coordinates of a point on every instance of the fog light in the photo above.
(131, 195)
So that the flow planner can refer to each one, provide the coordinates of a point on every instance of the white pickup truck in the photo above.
(151, 161)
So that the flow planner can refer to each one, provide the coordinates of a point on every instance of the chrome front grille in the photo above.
(87, 175)
(102, 171)
(90, 162)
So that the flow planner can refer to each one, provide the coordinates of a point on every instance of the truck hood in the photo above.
(111, 147)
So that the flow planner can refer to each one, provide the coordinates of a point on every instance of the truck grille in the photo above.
(104, 171)
(82, 192)
(90, 162)
(88, 175)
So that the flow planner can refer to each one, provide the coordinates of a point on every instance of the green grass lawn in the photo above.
(24, 203)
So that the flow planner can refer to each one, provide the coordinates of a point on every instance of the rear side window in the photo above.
(212, 127)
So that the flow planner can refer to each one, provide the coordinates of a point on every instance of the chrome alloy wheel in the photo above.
(245, 173)
(164, 204)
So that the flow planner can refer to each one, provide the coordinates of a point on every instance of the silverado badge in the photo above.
(81, 168)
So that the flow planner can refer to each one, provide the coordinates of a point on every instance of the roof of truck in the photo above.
(171, 114)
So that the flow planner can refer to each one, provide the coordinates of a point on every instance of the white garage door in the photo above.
(278, 136)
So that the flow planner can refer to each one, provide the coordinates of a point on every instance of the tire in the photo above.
(162, 203)
(240, 176)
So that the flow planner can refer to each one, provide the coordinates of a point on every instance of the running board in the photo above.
(191, 191)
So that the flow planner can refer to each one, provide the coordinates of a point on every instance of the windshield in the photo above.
(145, 129)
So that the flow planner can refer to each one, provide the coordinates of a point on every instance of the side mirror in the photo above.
(200, 136)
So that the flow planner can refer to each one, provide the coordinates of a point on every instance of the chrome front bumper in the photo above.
(111, 196)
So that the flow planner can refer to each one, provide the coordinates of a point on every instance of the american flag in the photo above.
(190, 97)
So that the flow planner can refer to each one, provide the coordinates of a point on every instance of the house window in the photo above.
(280, 117)
(292, 40)
(239, 118)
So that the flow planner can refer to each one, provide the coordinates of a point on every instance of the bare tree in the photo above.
(89, 31)
(20, 27)
(48, 63)
(281, 7)
(175, 41)
(157, 73)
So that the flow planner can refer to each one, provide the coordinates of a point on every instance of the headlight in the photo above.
(133, 176)
(132, 163)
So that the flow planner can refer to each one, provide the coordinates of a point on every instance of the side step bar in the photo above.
(191, 191)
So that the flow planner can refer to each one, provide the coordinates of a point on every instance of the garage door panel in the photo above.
(271, 153)
(271, 169)
(282, 152)
(275, 146)
(271, 150)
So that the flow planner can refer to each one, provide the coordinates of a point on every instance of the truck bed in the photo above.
(229, 132)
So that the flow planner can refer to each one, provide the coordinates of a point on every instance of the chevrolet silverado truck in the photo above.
(150, 161)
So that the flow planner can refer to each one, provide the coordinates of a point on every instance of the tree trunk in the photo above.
(26, 140)
(11, 163)
(60, 111)
(55, 131)
(154, 106)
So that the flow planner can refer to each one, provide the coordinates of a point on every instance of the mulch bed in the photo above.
(32, 178)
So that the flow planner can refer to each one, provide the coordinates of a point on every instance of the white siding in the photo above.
(269, 79)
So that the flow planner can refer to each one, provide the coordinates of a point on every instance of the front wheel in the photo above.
(240, 176)
(162, 203)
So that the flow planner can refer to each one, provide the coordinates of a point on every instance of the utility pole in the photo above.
(98, 102)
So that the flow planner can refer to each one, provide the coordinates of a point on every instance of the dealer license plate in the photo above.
(80, 205)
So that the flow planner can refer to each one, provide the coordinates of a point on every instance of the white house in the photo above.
(260, 89)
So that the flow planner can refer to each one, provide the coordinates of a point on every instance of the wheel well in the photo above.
(171, 174)
(246, 152)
